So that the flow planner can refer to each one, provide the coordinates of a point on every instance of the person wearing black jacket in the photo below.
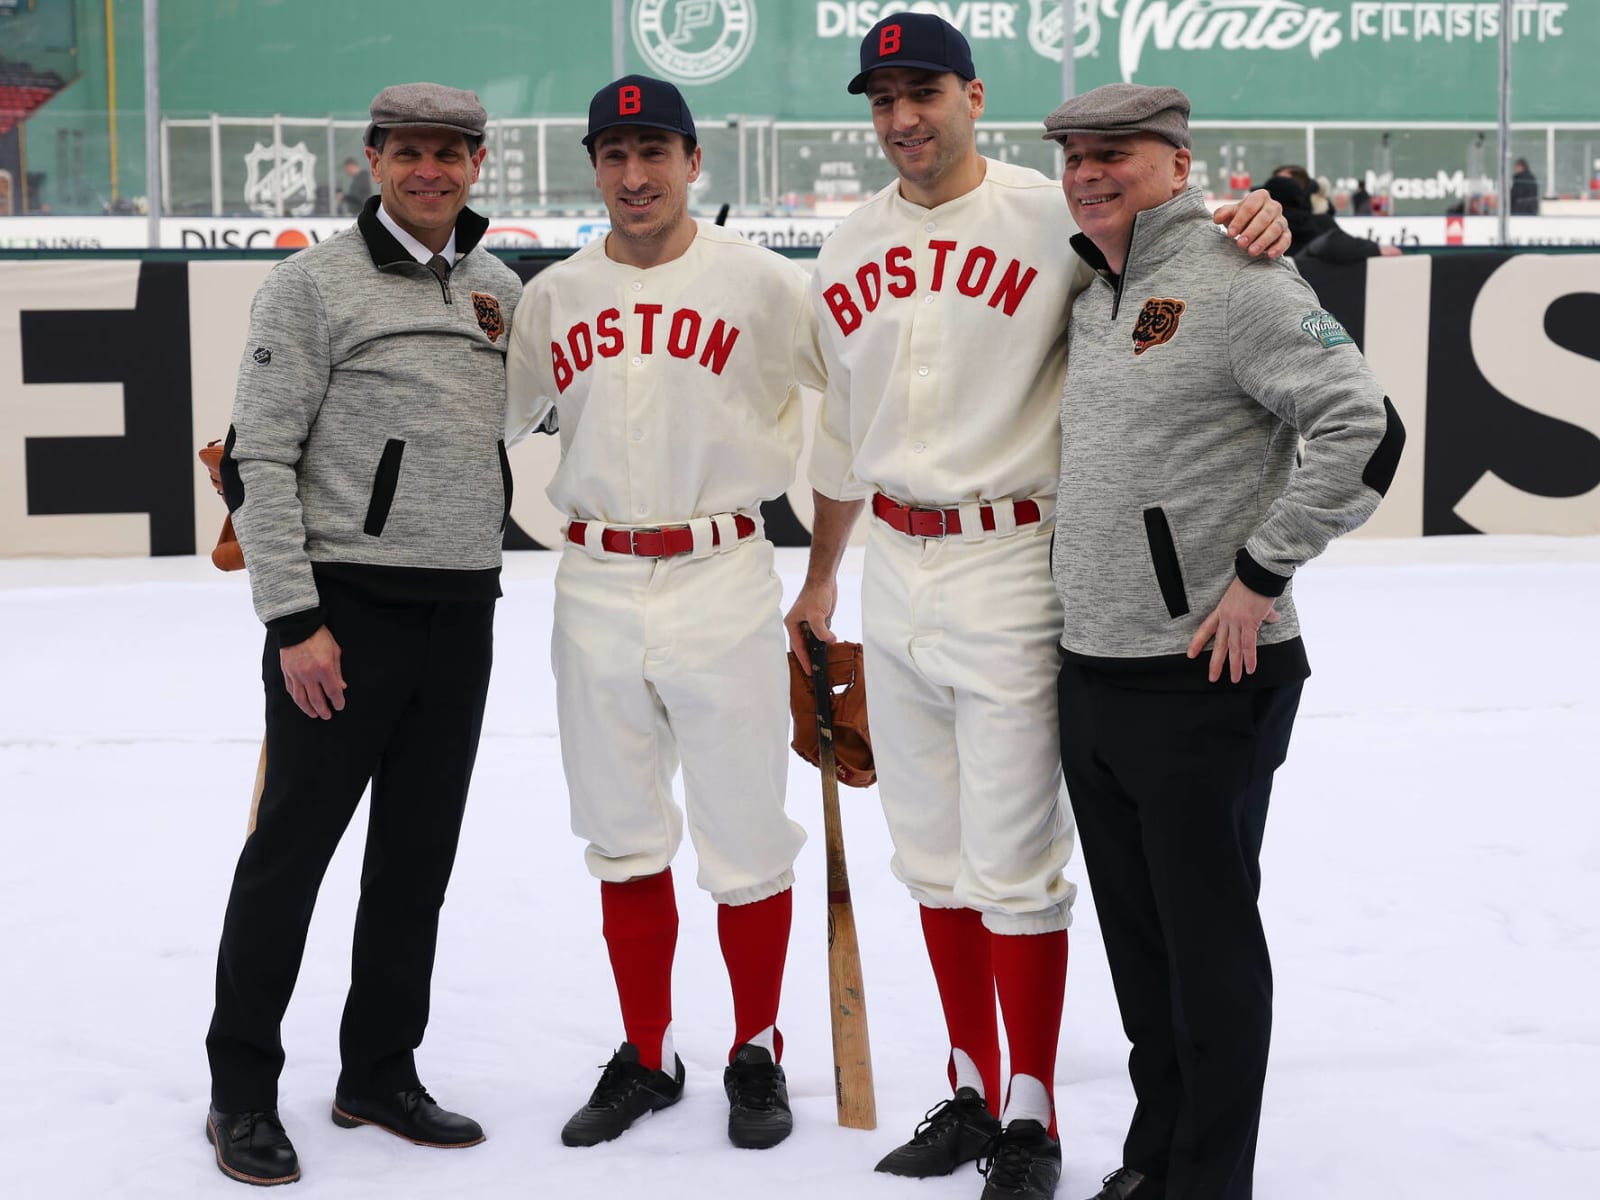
(1319, 235)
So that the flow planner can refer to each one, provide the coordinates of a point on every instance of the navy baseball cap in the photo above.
(638, 100)
(913, 40)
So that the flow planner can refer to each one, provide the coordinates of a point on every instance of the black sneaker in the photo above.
(758, 1099)
(1127, 1184)
(953, 1132)
(252, 1147)
(626, 1091)
(1023, 1163)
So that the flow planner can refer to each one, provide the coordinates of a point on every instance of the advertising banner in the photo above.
(800, 233)
(1323, 60)
(113, 373)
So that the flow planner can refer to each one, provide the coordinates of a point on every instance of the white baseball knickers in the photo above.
(660, 658)
(961, 641)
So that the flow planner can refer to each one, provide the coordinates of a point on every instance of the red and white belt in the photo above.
(941, 522)
(655, 541)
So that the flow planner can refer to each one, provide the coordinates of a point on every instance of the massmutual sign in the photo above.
(1268, 59)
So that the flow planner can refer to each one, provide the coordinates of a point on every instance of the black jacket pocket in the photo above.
(1164, 557)
(384, 483)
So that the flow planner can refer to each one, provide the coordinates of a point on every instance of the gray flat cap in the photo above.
(1119, 108)
(430, 105)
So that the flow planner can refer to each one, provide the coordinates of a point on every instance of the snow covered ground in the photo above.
(1432, 894)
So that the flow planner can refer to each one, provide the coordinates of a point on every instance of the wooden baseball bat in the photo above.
(852, 1053)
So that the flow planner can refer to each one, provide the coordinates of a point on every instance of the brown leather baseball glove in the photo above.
(852, 740)
(227, 555)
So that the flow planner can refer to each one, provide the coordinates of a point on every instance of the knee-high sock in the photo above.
(958, 949)
(755, 944)
(641, 931)
(1030, 973)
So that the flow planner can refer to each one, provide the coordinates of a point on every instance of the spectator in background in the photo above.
(1524, 190)
(1319, 236)
(1361, 200)
(358, 186)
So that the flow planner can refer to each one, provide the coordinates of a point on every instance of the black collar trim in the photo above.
(386, 249)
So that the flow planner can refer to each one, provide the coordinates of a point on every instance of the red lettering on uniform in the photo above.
(870, 281)
(561, 367)
(843, 308)
(627, 101)
(889, 40)
(581, 343)
(685, 333)
(983, 258)
(647, 340)
(610, 333)
(719, 344)
(940, 249)
(1008, 293)
(895, 263)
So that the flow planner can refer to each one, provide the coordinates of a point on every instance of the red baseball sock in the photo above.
(755, 943)
(641, 930)
(958, 948)
(1030, 973)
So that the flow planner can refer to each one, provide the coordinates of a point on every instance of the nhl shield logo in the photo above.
(487, 310)
(1047, 29)
(1158, 321)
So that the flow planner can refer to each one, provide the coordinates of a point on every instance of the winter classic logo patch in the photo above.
(487, 309)
(1158, 321)
(1325, 329)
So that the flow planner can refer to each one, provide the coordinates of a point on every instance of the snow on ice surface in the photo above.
(1432, 896)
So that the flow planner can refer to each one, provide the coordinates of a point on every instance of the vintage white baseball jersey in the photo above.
(677, 386)
(677, 389)
(944, 335)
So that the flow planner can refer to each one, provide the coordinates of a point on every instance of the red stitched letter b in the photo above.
(627, 101)
(889, 40)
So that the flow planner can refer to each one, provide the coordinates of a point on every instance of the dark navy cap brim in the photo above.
(858, 85)
(588, 140)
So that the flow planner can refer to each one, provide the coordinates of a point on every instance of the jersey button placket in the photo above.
(637, 389)
(922, 379)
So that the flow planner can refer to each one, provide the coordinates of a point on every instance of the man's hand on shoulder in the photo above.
(1256, 224)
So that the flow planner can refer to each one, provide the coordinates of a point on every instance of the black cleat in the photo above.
(1023, 1163)
(758, 1099)
(626, 1091)
(252, 1147)
(1127, 1184)
(953, 1132)
(411, 1114)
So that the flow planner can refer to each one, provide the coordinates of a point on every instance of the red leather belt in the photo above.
(937, 522)
(655, 541)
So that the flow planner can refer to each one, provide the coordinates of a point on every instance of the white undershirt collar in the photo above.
(413, 247)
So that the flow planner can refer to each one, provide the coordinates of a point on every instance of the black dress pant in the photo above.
(417, 675)
(1170, 793)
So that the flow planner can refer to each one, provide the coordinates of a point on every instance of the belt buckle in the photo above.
(633, 541)
(944, 520)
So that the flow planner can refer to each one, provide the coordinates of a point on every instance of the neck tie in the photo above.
(441, 272)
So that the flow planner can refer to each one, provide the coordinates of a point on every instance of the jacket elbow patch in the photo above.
(228, 472)
(1385, 460)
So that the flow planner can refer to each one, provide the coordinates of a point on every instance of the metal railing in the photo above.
(227, 166)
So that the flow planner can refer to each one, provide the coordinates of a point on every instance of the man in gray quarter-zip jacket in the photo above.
(1182, 514)
(369, 487)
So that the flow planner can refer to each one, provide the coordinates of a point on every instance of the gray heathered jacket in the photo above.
(367, 427)
(1190, 381)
